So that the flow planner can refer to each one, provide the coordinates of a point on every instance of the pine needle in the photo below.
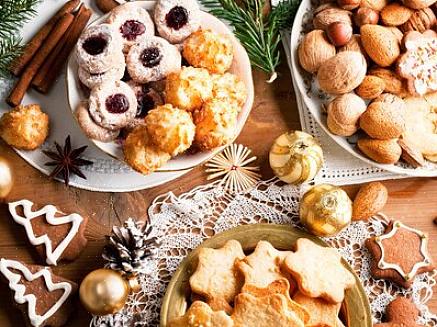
(258, 33)
(10, 48)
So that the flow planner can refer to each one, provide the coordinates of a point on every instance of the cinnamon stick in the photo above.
(51, 70)
(48, 45)
(106, 6)
(37, 40)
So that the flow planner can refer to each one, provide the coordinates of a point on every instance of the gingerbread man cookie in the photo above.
(419, 63)
(319, 271)
(401, 313)
(200, 314)
(56, 235)
(399, 254)
(44, 298)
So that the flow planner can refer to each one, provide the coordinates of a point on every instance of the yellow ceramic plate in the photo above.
(355, 310)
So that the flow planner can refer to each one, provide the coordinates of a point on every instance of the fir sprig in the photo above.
(257, 32)
(13, 15)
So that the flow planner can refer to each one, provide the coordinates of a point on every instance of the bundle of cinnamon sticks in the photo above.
(46, 53)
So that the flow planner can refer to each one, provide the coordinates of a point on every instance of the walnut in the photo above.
(374, 4)
(330, 14)
(314, 50)
(420, 20)
(342, 73)
(354, 44)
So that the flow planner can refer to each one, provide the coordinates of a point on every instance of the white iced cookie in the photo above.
(152, 60)
(115, 73)
(170, 129)
(132, 22)
(177, 19)
(113, 105)
(90, 128)
(98, 48)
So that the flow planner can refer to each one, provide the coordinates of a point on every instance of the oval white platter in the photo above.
(314, 98)
(106, 174)
(240, 67)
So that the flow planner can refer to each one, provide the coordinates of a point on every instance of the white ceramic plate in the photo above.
(240, 67)
(313, 99)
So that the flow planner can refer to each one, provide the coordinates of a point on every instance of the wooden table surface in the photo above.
(411, 200)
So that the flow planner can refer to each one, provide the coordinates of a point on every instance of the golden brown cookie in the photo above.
(401, 312)
(263, 266)
(399, 254)
(322, 313)
(267, 311)
(200, 314)
(215, 277)
(319, 271)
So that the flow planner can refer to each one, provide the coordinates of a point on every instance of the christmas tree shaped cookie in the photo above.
(56, 235)
(44, 298)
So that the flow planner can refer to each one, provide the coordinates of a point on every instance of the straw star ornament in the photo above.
(232, 166)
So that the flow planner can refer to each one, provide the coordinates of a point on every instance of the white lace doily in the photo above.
(181, 223)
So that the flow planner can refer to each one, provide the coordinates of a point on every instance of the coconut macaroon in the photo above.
(189, 88)
(152, 60)
(215, 123)
(141, 154)
(210, 50)
(171, 129)
(229, 87)
(177, 19)
(132, 22)
(25, 127)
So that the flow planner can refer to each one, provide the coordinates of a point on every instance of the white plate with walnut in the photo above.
(162, 87)
(367, 71)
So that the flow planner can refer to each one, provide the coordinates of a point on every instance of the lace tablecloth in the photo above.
(182, 222)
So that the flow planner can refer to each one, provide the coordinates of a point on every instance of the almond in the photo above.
(371, 87)
(377, 5)
(395, 14)
(370, 199)
(393, 82)
(382, 151)
(380, 44)
(418, 4)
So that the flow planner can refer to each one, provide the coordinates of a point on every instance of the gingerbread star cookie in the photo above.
(216, 277)
(57, 236)
(319, 271)
(200, 314)
(263, 266)
(322, 313)
(44, 298)
(266, 311)
(401, 312)
(399, 254)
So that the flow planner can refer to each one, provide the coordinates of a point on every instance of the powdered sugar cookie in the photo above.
(177, 19)
(90, 128)
(115, 73)
(113, 105)
(99, 48)
(200, 314)
(319, 271)
(132, 22)
(152, 60)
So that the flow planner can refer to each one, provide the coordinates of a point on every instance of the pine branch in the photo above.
(259, 34)
(10, 48)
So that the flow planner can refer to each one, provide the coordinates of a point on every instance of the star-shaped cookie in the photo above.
(200, 314)
(263, 266)
(321, 312)
(319, 271)
(216, 277)
(399, 254)
(401, 312)
(266, 311)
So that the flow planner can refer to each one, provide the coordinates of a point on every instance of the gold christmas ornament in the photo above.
(5, 178)
(325, 210)
(105, 291)
(296, 157)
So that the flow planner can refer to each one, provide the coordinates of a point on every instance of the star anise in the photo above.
(66, 161)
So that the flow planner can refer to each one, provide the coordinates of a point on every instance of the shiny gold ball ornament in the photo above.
(5, 178)
(325, 210)
(296, 157)
(105, 291)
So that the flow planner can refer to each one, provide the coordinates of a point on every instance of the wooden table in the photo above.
(412, 200)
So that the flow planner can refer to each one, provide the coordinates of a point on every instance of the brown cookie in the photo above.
(200, 314)
(56, 235)
(44, 298)
(401, 312)
(399, 254)
(321, 312)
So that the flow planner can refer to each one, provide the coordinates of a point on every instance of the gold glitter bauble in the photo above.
(296, 157)
(325, 210)
(104, 291)
(5, 178)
